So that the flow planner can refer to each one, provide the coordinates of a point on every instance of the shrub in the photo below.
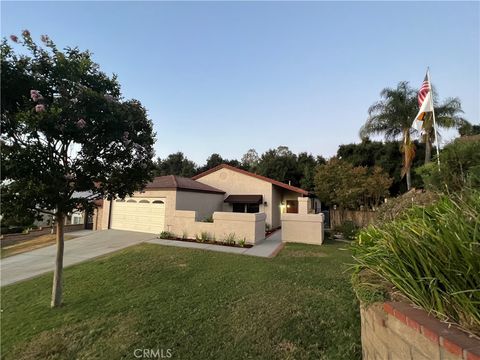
(230, 239)
(208, 219)
(348, 229)
(242, 242)
(184, 234)
(205, 236)
(431, 256)
(395, 207)
(460, 166)
(166, 235)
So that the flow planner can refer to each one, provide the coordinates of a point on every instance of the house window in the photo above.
(238, 208)
(246, 208)
(292, 206)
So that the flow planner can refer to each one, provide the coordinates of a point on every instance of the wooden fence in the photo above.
(358, 217)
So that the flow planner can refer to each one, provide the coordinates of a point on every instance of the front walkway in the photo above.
(23, 266)
(266, 248)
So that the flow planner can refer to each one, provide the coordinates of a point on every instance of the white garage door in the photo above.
(140, 214)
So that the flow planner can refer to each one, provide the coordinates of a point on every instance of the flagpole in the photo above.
(434, 122)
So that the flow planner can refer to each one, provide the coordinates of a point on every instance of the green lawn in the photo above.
(202, 305)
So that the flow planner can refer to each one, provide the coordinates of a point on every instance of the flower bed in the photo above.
(206, 239)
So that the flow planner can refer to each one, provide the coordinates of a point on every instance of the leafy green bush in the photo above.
(167, 235)
(431, 255)
(460, 166)
(348, 229)
(208, 219)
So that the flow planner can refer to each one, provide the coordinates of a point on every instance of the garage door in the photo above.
(141, 214)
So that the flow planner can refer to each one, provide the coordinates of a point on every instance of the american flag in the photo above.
(423, 92)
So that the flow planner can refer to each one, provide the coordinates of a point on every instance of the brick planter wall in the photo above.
(396, 330)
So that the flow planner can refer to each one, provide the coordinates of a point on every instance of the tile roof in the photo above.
(181, 183)
(245, 172)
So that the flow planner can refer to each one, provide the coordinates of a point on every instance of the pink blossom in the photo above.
(81, 123)
(14, 38)
(40, 108)
(44, 38)
(26, 33)
(35, 95)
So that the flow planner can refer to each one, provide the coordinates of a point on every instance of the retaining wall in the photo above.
(399, 331)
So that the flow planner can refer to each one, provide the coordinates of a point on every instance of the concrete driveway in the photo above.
(97, 243)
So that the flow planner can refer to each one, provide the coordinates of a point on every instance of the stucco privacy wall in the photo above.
(205, 204)
(235, 183)
(250, 227)
(399, 331)
(303, 227)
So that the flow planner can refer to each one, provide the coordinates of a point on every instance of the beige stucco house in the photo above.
(236, 200)
(152, 210)
(248, 192)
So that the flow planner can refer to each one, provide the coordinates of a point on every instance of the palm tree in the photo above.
(393, 116)
(446, 116)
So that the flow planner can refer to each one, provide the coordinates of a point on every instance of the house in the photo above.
(151, 210)
(249, 192)
(172, 203)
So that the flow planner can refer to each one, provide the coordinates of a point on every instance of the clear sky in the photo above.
(228, 76)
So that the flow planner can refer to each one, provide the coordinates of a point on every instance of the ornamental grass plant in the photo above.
(431, 255)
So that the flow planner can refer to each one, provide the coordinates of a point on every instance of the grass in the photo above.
(202, 305)
(32, 244)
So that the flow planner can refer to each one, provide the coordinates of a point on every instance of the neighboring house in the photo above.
(222, 189)
(249, 192)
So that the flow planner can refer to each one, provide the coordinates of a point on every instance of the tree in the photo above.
(468, 129)
(68, 137)
(175, 164)
(460, 166)
(377, 183)
(215, 160)
(393, 116)
(306, 165)
(385, 155)
(336, 183)
(280, 164)
(340, 183)
(446, 116)
(250, 160)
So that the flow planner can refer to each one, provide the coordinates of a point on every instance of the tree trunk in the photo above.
(409, 179)
(428, 150)
(58, 273)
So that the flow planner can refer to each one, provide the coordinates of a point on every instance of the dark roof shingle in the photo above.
(181, 183)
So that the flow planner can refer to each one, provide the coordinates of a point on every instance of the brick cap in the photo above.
(449, 336)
